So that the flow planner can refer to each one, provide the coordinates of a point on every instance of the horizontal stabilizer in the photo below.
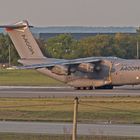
(12, 26)
(17, 25)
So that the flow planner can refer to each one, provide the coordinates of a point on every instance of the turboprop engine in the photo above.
(86, 67)
(89, 67)
(60, 70)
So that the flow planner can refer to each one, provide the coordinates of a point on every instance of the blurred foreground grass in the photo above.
(25, 78)
(4, 136)
(91, 110)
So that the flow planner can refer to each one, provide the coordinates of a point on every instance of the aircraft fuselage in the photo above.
(125, 72)
(113, 72)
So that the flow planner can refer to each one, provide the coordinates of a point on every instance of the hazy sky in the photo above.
(71, 12)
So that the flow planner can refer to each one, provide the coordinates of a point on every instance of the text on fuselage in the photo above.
(130, 68)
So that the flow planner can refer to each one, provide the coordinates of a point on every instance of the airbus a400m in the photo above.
(82, 73)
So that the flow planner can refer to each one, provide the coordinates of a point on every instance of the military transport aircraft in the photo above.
(82, 73)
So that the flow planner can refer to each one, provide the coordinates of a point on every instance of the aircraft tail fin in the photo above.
(23, 40)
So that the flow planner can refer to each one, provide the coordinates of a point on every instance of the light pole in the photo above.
(137, 49)
(9, 50)
(138, 36)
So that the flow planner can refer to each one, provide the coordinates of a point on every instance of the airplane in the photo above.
(82, 73)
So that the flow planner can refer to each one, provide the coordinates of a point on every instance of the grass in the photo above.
(25, 77)
(94, 109)
(91, 110)
(4, 136)
(97, 109)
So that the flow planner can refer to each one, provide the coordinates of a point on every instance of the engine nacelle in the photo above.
(86, 67)
(60, 70)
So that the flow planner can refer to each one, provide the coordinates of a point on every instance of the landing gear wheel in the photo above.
(105, 87)
(78, 88)
(84, 88)
(90, 88)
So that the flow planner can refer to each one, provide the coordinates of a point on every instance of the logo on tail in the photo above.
(28, 44)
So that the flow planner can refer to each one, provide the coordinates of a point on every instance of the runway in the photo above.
(66, 128)
(31, 91)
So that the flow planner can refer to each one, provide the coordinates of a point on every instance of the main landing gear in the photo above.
(91, 87)
(105, 87)
(84, 88)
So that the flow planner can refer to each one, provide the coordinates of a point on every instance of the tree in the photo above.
(5, 42)
(61, 46)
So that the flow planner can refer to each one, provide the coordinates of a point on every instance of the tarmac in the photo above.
(36, 91)
(66, 128)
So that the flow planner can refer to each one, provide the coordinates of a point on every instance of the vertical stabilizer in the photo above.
(24, 41)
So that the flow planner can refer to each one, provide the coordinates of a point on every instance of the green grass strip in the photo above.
(25, 78)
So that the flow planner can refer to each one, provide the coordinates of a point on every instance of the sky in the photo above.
(44, 13)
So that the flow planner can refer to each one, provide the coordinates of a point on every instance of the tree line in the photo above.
(119, 45)
(66, 47)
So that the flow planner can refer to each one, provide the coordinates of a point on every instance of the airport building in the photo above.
(80, 32)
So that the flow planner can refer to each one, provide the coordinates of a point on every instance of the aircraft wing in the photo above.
(61, 62)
